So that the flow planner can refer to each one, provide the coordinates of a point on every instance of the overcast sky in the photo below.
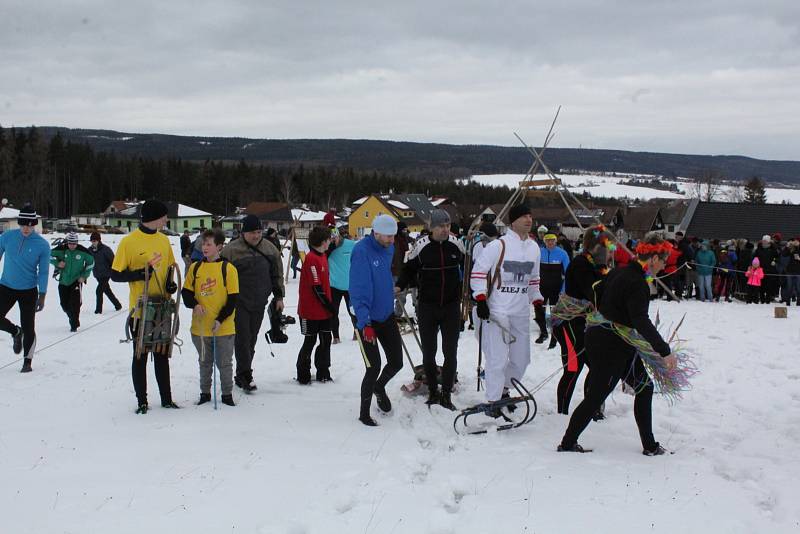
(694, 76)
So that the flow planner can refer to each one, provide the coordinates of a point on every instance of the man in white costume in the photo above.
(505, 282)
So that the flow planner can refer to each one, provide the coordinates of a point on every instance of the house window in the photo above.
(185, 223)
(671, 228)
(366, 214)
(119, 223)
(202, 223)
(129, 225)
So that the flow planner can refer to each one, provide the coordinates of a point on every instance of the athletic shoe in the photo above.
(367, 420)
(26, 365)
(657, 451)
(511, 408)
(17, 341)
(142, 409)
(170, 404)
(553, 343)
(384, 403)
(542, 338)
(571, 448)
(598, 416)
(204, 398)
(228, 400)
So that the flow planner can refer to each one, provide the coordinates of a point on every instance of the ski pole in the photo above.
(214, 367)
(480, 351)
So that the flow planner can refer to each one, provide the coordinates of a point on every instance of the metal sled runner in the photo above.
(523, 397)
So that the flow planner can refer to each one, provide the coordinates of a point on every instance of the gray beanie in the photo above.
(440, 217)
(384, 224)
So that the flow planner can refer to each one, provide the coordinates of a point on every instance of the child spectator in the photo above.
(210, 291)
(754, 276)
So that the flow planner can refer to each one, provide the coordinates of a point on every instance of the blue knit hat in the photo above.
(384, 224)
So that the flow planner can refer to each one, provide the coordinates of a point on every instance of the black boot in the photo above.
(658, 450)
(446, 402)
(511, 408)
(572, 448)
(433, 396)
(553, 343)
(542, 338)
(204, 398)
(142, 409)
(365, 416)
(228, 400)
(26, 365)
(169, 404)
(384, 404)
(17, 341)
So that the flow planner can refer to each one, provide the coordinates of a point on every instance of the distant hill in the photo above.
(424, 159)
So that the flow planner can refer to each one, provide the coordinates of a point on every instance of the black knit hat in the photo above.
(489, 230)
(251, 223)
(153, 210)
(518, 211)
(27, 216)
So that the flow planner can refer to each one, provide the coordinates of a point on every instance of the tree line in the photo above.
(62, 178)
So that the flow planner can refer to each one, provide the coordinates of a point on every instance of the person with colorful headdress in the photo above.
(612, 355)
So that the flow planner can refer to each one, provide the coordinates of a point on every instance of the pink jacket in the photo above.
(754, 276)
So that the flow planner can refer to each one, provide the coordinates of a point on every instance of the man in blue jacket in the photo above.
(553, 269)
(372, 300)
(24, 281)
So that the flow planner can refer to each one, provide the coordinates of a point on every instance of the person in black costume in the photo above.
(582, 274)
(624, 300)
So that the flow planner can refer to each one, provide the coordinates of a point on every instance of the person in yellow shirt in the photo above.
(210, 291)
(147, 248)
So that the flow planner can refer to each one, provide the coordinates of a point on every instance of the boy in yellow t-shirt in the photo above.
(210, 291)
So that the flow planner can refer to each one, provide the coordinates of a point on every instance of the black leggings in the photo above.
(388, 335)
(432, 319)
(313, 329)
(104, 289)
(139, 373)
(27, 315)
(336, 298)
(573, 329)
(70, 297)
(610, 360)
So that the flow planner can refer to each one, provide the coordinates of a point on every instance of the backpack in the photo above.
(196, 267)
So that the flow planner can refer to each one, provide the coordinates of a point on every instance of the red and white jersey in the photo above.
(519, 275)
(314, 273)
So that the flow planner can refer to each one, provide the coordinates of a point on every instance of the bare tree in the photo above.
(707, 185)
(287, 189)
(733, 193)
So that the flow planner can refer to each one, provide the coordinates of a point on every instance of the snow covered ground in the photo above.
(611, 186)
(75, 458)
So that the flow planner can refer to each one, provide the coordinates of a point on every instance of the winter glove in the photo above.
(538, 302)
(483, 308)
(369, 334)
(40, 303)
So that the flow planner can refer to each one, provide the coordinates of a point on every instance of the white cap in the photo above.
(766, 237)
(72, 237)
(384, 224)
(541, 229)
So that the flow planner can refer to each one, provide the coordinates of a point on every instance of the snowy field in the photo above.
(611, 186)
(74, 458)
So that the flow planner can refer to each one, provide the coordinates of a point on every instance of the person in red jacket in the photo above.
(670, 269)
(622, 257)
(315, 309)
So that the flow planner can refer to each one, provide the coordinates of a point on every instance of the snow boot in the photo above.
(510, 407)
(204, 398)
(542, 338)
(382, 398)
(446, 402)
(26, 366)
(142, 409)
(17, 341)
(228, 400)
(433, 396)
(658, 450)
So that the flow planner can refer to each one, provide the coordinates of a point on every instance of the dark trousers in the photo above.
(248, 324)
(432, 319)
(313, 330)
(336, 298)
(610, 360)
(27, 314)
(574, 330)
(388, 335)
(70, 297)
(139, 373)
(539, 312)
(103, 288)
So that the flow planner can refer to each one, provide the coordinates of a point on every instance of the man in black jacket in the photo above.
(434, 266)
(260, 270)
(624, 301)
(186, 249)
(103, 259)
